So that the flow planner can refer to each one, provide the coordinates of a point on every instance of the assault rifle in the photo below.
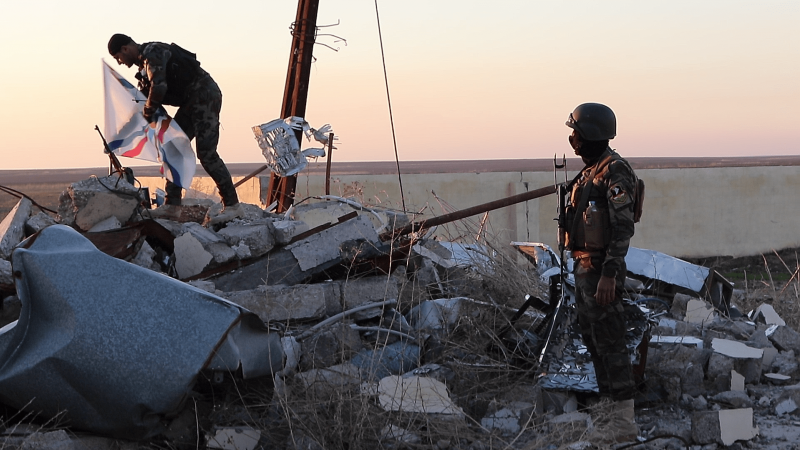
(115, 166)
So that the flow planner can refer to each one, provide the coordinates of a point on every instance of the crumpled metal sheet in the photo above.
(113, 346)
(658, 266)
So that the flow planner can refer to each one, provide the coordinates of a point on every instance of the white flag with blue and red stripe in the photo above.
(129, 134)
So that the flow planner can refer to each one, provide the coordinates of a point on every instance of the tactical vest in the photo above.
(588, 226)
(182, 69)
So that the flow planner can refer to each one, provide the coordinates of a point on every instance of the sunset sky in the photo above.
(468, 79)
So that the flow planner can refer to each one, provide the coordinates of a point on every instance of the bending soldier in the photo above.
(170, 75)
(600, 221)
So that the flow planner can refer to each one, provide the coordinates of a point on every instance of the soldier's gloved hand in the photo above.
(150, 112)
(605, 291)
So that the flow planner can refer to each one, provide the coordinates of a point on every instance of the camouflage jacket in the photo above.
(612, 191)
(166, 72)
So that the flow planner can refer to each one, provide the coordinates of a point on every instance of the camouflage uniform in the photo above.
(199, 100)
(603, 327)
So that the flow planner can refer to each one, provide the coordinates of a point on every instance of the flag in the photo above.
(129, 134)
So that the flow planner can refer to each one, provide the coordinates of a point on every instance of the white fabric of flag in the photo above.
(129, 134)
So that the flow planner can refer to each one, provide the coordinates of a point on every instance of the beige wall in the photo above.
(689, 212)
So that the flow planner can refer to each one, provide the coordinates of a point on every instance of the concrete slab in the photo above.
(736, 425)
(109, 223)
(416, 394)
(699, 312)
(768, 315)
(326, 245)
(190, 256)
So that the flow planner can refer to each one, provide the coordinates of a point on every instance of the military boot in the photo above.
(227, 214)
(614, 423)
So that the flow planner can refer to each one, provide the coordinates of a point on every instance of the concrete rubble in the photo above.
(346, 315)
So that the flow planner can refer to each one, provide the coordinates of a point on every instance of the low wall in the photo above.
(693, 207)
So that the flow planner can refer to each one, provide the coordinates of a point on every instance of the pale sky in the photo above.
(468, 79)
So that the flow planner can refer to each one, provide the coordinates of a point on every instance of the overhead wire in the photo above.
(389, 101)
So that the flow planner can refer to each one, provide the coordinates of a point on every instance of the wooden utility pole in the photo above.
(295, 94)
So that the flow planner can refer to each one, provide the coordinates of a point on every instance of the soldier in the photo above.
(600, 225)
(170, 75)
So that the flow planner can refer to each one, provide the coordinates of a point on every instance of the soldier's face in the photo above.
(126, 55)
(575, 141)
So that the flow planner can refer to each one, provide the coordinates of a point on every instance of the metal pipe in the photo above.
(328, 166)
(464, 213)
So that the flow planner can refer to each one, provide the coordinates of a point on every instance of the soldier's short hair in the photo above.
(116, 42)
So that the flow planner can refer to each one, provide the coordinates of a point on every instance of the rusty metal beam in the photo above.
(464, 213)
(295, 94)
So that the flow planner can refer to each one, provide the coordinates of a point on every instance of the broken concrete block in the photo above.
(238, 438)
(356, 292)
(109, 223)
(766, 314)
(723, 427)
(329, 347)
(416, 394)
(90, 201)
(699, 312)
(733, 399)
(6, 274)
(678, 309)
(190, 256)
(510, 418)
(145, 257)
(257, 237)
(320, 213)
(329, 382)
(285, 230)
(37, 222)
(705, 427)
(785, 338)
(785, 406)
(280, 303)
(327, 245)
(683, 362)
(221, 252)
(242, 251)
(746, 360)
(201, 233)
(785, 363)
(12, 228)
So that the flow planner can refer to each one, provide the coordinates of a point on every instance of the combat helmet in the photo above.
(593, 121)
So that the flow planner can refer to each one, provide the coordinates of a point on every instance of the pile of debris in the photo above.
(320, 328)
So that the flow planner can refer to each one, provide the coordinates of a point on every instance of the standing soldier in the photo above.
(170, 75)
(600, 224)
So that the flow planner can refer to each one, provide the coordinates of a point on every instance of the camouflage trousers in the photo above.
(199, 119)
(603, 329)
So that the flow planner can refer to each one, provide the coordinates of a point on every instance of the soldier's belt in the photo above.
(581, 254)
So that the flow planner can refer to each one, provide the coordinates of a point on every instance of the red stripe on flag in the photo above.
(164, 128)
(134, 152)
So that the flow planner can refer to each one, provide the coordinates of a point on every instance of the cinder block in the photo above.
(784, 338)
(280, 303)
(258, 237)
